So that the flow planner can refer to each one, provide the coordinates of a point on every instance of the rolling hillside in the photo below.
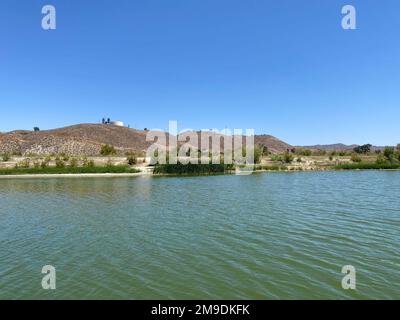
(87, 139)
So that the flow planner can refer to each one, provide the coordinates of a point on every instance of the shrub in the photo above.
(44, 164)
(24, 163)
(132, 160)
(381, 159)
(107, 150)
(355, 158)
(276, 157)
(88, 163)
(109, 163)
(258, 152)
(65, 157)
(60, 163)
(73, 163)
(388, 153)
(6, 157)
(287, 157)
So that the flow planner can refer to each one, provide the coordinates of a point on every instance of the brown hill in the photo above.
(273, 144)
(87, 139)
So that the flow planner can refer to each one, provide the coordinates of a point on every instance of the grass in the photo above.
(192, 169)
(68, 170)
(368, 166)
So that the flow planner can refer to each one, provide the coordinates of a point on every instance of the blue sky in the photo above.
(285, 68)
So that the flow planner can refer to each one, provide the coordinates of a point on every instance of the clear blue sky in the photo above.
(285, 67)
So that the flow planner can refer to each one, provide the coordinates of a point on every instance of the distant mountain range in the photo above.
(337, 147)
(87, 139)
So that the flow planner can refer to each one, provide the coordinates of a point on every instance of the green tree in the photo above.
(366, 148)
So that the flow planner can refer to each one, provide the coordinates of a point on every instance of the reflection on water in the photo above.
(265, 236)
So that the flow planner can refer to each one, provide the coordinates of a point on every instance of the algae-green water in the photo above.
(263, 236)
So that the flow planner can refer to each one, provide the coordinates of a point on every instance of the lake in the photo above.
(264, 236)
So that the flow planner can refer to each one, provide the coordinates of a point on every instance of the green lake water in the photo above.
(264, 236)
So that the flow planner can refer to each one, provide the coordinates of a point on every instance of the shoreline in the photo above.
(73, 175)
(139, 174)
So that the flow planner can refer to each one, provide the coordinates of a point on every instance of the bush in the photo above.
(276, 157)
(64, 157)
(388, 153)
(44, 164)
(109, 163)
(73, 163)
(24, 163)
(60, 163)
(258, 152)
(6, 157)
(356, 158)
(132, 160)
(287, 157)
(107, 150)
(381, 159)
(88, 163)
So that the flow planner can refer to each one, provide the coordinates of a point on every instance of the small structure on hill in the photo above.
(114, 123)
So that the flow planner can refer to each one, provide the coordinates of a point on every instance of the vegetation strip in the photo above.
(69, 170)
(368, 166)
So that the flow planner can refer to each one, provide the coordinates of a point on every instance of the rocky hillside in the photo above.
(87, 139)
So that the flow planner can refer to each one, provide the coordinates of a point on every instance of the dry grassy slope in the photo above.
(87, 139)
(274, 145)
